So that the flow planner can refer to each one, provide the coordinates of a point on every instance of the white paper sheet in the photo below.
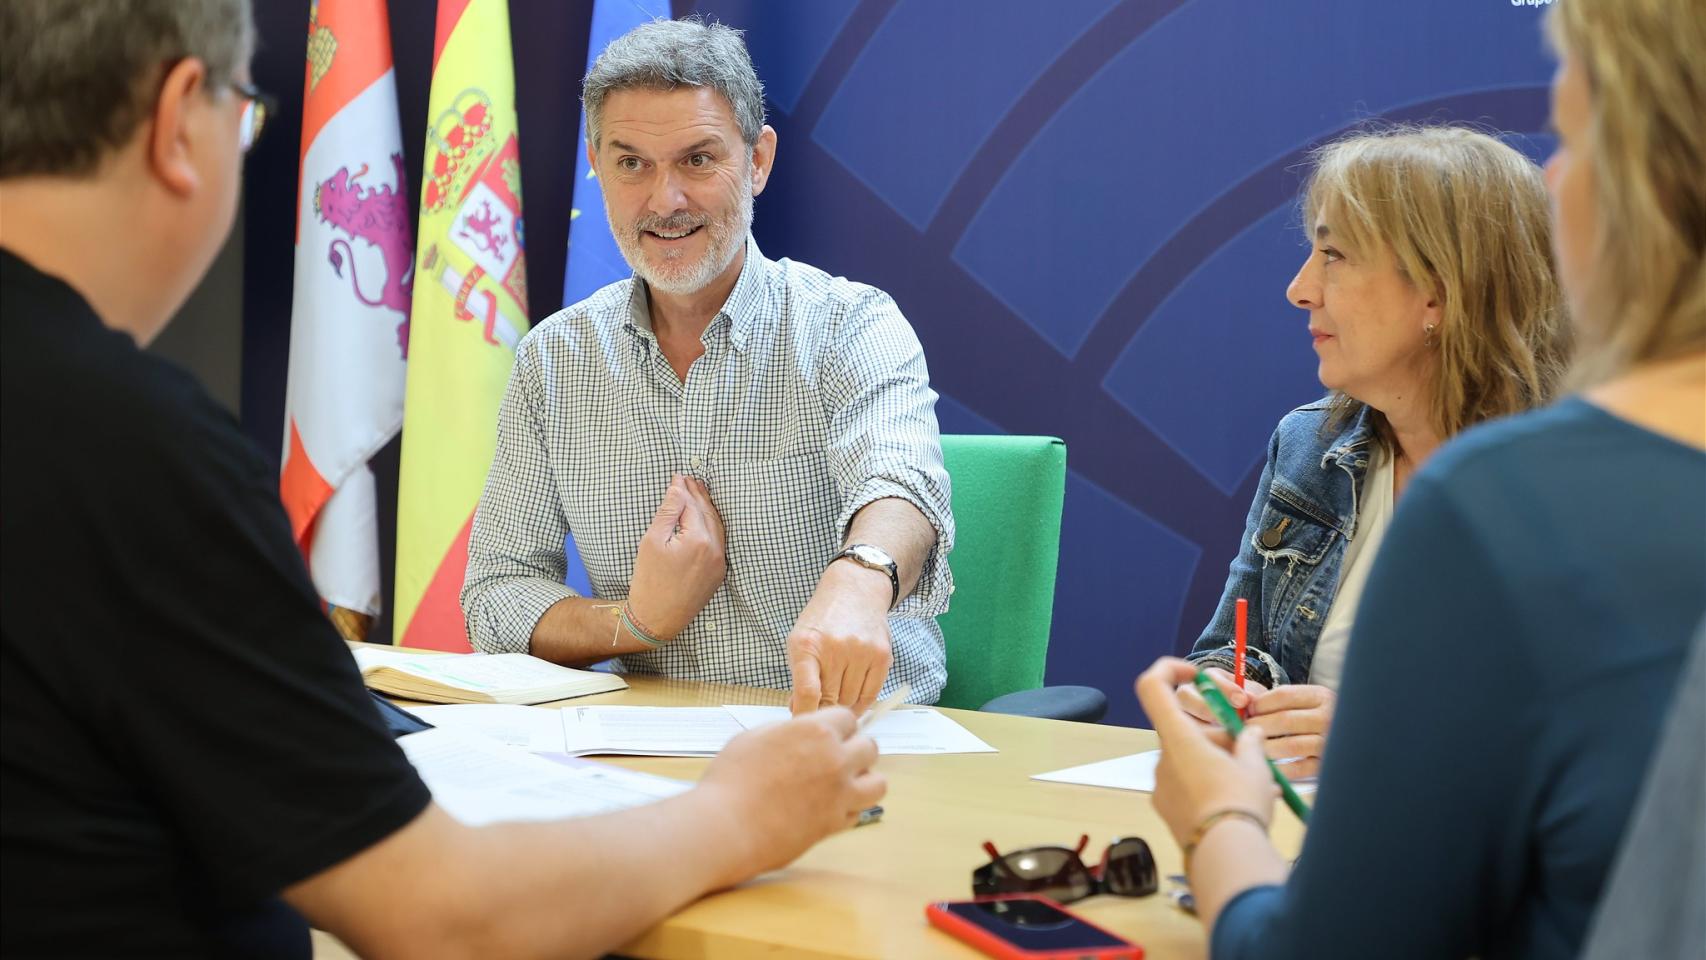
(677, 731)
(1136, 772)
(537, 729)
(648, 731)
(479, 781)
(643, 731)
(904, 730)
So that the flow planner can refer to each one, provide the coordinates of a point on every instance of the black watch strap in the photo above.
(875, 558)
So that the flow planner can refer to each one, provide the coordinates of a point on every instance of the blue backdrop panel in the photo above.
(787, 51)
(1086, 209)
(992, 67)
(1211, 93)
(1201, 373)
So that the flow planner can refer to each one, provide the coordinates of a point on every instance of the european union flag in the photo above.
(594, 261)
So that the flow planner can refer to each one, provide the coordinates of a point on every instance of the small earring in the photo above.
(1428, 335)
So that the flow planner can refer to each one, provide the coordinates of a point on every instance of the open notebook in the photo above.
(477, 677)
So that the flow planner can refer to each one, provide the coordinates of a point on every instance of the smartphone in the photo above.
(1027, 927)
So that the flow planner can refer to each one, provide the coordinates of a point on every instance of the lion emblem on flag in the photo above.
(380, 217)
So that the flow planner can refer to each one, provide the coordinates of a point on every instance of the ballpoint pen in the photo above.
(885, 705)
(873, 814)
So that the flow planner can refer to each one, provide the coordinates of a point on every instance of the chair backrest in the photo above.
(1007, 494)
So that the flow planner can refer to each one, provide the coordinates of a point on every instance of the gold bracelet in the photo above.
(1207, 823)
(616, 614)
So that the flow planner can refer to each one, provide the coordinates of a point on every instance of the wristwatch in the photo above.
(875, 558)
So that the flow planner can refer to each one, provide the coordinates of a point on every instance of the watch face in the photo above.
(869, 554)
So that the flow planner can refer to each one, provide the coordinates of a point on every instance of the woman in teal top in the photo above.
(1520, 639)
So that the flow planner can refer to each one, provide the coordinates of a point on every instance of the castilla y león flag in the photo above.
(349, 318)
(470, 310)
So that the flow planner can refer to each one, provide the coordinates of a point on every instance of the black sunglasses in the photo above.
(1127, 870)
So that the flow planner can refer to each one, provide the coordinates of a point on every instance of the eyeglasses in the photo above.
(1127, 870)
(257, 107)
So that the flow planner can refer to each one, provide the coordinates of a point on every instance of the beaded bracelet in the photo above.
(1207, 823)
(637, 629)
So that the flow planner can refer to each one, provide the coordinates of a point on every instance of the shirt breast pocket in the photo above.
(779, 523)
(1290, 533)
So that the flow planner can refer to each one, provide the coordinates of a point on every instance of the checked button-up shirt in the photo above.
(810, 401)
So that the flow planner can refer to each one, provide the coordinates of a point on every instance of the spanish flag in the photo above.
(470, 310)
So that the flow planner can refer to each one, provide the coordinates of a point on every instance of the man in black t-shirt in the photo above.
(190, 764)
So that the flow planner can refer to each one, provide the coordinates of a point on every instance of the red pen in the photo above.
(1241, 614)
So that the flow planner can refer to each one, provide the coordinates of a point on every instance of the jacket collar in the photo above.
(1350, 447)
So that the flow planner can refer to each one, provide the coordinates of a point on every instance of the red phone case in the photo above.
(1002, 950)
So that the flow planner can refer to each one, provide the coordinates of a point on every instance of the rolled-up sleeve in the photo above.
(515, 551)
(883, 437)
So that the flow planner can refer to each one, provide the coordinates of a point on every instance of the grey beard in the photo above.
(728, 236)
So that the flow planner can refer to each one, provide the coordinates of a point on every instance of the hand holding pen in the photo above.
(871, 815)
(1295, 716)
(1238, 688)
(1234, 726)
(787, 785)
(1197, 774)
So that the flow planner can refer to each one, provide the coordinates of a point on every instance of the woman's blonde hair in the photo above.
(1645, 63)
(1465, 219)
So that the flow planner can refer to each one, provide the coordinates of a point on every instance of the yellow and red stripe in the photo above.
(469, 311)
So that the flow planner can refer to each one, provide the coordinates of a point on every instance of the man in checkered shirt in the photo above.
(745, 450)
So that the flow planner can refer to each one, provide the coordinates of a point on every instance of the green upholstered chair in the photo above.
(1007, 495)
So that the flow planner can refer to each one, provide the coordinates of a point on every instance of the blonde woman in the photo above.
(1520, 639)
(1433, 306)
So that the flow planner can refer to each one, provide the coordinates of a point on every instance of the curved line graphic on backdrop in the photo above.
(1522, 109)
(1155, 279)
(1036, 108)
(884, 239)
(1100, 43)
(849, 42)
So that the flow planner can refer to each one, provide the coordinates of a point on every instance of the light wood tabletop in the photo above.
(861, 894)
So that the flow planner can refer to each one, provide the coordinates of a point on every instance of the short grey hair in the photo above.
(666, 54)
(80, 77)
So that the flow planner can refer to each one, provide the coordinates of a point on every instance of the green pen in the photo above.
(1229, 719)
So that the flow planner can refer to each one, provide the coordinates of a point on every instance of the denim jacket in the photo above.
(1294, 544)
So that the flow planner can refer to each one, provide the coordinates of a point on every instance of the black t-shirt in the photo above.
(182, 733)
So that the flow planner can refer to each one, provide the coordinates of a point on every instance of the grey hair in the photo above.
(80, 77)
(666, 54)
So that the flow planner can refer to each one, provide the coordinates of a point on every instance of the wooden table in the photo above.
(861, 894)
